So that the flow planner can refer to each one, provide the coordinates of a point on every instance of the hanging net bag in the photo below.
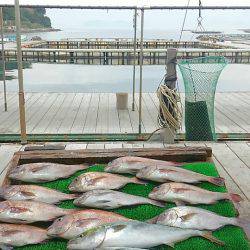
(200, 76)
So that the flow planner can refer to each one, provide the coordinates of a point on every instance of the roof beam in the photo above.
(131, 7)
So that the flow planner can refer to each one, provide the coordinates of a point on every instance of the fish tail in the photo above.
(1, 193)
(218, 181)
(70, 211)
(152, 220)
(208, 235)
(137, 181)
(84, 166)
(73, 196)
(244, 223)
(235, 198)
(157, 203)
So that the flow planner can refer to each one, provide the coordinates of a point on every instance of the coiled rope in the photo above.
(170, 112)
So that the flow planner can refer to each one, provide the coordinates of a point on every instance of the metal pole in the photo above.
(141, 65)
(20, 74)
(135, 28)
(3, 61)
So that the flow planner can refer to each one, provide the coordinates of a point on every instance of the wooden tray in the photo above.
(92, 156)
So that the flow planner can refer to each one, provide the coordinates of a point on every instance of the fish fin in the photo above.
(170, 244)
(180, 190)
(118, 228)
(208, 235)
(38, 168)
(217, 181)
(235, 198)
(6, 247)
(245, 224)
(27, 193)
(187, 216)
(157, 203)
(74, 196)
(18, 210)
(9, 232)
(167, 171)
(94, 181)
(179, 203)
(152, 220)
(135, 180)
(82, 222)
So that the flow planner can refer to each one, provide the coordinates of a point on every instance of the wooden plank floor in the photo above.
(76, 113)
(232, 160)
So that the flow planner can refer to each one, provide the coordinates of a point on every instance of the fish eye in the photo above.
(60, 219)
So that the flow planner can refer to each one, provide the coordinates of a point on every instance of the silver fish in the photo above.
(132, 164)
(74, 224)
(43, 172)
(34, 193)
(135, 234)
(96, 180)
(181, 193)
(25, 212)
(20, 235)
(164, 174)
(197, 218)
(110, 199)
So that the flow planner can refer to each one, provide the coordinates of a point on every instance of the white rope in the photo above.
(169, 119)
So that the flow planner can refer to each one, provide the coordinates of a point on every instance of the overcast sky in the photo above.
(129, 2)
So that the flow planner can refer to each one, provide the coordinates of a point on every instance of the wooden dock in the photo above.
(107, 56)
(96, 113)
(232, 160)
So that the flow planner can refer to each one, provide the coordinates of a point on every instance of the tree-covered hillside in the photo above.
(31, 18)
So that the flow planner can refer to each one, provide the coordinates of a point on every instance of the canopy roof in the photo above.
(130, 4)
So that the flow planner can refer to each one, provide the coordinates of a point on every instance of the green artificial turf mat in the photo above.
(233, 236)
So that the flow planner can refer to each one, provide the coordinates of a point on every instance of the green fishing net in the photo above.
(200, 76)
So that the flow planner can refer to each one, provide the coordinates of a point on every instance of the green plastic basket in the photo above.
(200, 76)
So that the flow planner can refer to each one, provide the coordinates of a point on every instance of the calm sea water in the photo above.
(95, 78)
(111, 24)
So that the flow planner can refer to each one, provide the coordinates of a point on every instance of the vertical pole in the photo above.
(134, 68)
(141, 65)
(3, 60)
(20, 74)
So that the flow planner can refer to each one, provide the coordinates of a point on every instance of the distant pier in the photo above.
(120, 52)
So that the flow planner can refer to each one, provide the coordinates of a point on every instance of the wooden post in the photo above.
(170, 82)
(20, 74)
(134, 55)
(3, 61)
(141, 67)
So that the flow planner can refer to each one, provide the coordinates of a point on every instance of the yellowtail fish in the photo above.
(135, 234)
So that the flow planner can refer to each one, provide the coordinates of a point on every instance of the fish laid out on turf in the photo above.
(12, 235)
(96, 180)
(25, 212)
(74, 224)
(132, 164)
(135, 234)
(34, 193)
(164, 174)
(43, 172)
(181, 194)
(110, 199)
(198, 218)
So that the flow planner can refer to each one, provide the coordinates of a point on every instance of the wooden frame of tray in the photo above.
(92, 156)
